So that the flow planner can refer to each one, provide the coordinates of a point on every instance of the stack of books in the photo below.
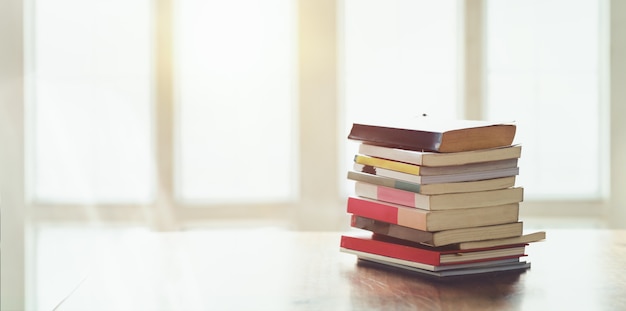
(437, 197)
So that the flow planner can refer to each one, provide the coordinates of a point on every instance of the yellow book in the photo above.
(414, 169)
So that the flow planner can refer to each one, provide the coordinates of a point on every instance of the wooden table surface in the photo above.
(282, 270)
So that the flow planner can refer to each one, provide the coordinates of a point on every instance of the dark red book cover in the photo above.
(435, 135)
(399, 249)
(396, 137)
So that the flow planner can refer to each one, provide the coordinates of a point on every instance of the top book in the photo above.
(435, 135)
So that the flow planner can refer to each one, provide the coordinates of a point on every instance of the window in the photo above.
(240, 95)
(545, 72)
(235, 98)
(91, 101)
(400, 57)
(93, 95)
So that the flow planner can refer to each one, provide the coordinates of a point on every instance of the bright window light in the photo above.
(90, 94)
(235, 95)
(543, 72)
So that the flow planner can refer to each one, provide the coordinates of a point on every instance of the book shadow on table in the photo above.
(375, 285)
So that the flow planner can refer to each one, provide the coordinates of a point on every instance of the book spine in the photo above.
(523, 239)
(391, 250)
(388, 164)
(391, 195)
(406, 156)
(440, 201)
(396, 137)
(400, 215)
(476, 199)
(474, 156)
(392, 230)
(388, 173)
(384, 181)
(436, 179)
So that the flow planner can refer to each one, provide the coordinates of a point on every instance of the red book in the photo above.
(440, 201)
(433, 220)
(394, 248)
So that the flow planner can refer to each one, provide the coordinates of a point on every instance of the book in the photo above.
(385, 259)
(389, 247)
(435, 179)
(458, 266)
(439, 201)
(426, 220)
(441, 159)
(428, 134)
(408, 266)
(434, 170)
(438, 188)
(439, 238)
(525, 238)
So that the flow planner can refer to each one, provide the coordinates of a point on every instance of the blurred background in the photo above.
(169, 115)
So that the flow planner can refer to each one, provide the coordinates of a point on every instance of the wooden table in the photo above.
(282, 270)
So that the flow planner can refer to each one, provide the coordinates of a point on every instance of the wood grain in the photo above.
(282, 270)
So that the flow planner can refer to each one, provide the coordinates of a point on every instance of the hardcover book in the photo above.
(433, 220)
(414, 252)
(439, 238)
(434, 202)
(439, 188)
(427, 134)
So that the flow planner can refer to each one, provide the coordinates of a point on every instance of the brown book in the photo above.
(438, 238)
(427, 134)
(435, 179)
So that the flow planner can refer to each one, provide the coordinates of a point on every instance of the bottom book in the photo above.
(426, 257)
(450, 271)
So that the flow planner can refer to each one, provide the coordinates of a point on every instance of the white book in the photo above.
(435, 179)
(409, 266)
